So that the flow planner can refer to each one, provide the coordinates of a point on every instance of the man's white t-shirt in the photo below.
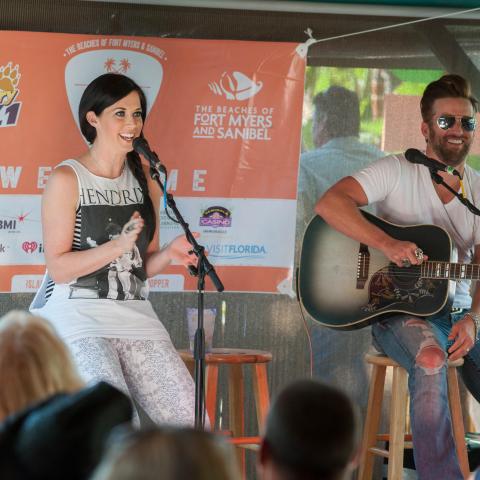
(404, 194)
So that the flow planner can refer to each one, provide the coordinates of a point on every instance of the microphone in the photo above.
(140, 145)
(416, 156)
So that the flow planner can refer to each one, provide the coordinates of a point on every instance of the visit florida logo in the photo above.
(9, 81)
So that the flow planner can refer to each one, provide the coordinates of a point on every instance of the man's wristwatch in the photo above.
(476, 321)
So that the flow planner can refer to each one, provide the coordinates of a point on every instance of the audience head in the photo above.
(167, 454)
(34, 362)
(311, 433)
(337, 114)
(62, 437)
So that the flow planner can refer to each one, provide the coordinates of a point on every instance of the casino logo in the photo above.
(9, 80)
(216, 217)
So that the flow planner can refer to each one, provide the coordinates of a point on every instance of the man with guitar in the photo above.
(405, 194)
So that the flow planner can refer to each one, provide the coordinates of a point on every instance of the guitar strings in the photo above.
(415, 272)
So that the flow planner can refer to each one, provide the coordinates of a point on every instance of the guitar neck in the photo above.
(450, 271)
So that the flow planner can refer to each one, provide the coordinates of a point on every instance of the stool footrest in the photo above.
(385, 437)
(244, 440)
(379, 451)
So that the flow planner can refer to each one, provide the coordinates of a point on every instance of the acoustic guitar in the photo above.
(344, 284)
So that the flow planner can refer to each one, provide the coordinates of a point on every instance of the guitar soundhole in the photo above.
(404, 278)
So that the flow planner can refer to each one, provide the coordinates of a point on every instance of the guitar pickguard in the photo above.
(398, 286)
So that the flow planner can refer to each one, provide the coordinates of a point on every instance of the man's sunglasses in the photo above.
(448, 121)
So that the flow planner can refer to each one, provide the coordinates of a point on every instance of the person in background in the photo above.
(34, 363)
(311, 434)
(51, 426)
(337, 356)
(338, 150)
(167, 454)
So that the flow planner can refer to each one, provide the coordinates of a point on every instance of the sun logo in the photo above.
(9, 78)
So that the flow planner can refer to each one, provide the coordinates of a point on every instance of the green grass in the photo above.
(474, 161)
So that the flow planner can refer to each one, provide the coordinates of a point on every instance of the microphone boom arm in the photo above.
(204, 266)
(438, 179)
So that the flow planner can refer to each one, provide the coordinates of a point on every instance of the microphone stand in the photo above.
(438, 179)
(203, 268)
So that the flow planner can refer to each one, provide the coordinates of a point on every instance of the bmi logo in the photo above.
(11, 224)
(9, 80)
(235, 86)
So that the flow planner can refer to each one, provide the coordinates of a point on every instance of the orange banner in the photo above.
(223, 116)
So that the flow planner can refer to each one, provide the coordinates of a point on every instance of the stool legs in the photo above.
(236, 397)
(372, 422)
(211, 393)
(234, 359)
(398, 413)
(457, 420)
(262, 396)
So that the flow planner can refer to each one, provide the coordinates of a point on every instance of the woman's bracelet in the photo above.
(476, 321)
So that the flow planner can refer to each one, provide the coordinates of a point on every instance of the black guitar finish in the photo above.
(346, 285)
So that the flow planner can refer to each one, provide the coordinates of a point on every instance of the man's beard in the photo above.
(441, 148)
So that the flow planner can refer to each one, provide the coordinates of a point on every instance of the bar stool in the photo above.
(234, 359)
(398, 441)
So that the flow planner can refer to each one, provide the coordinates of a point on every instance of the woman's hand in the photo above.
(130, 232)
(180, 250)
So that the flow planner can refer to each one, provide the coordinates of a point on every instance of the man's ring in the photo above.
(419, 254)
(406, 262)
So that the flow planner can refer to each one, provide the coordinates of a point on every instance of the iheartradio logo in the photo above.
(84, 67)
(32, 247)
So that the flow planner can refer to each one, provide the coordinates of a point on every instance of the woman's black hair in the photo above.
(100, 94)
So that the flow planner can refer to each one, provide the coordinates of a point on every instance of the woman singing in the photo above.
(101, 244)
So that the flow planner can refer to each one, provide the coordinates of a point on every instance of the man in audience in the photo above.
(337, 356)
(311, 434)
(338, 151)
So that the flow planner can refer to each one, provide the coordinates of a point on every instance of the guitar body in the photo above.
(345, 285)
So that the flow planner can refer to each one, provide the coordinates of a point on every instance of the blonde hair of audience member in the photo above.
(168, 454)
(34, 363)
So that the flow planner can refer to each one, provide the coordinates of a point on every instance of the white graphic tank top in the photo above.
(111, 301)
